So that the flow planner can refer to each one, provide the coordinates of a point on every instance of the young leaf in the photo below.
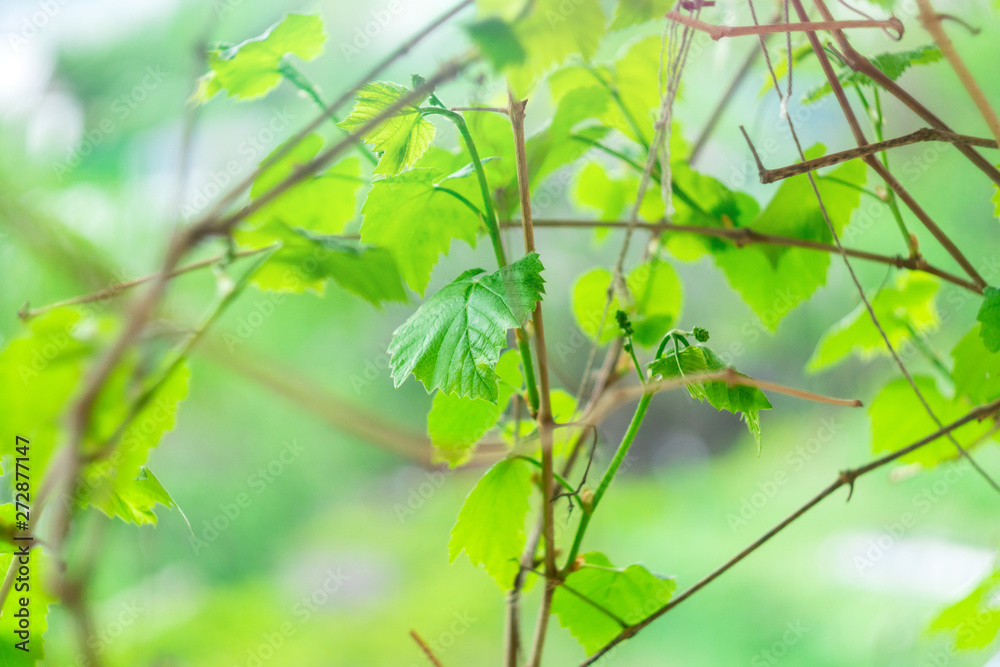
(402, 138)
(251, 69)
(322, 204)
(490, 527)
(631, 594)
(656, 299)
(989, 316)
(416, 222)
(737, 399)
(898, 418)
(891, 64)
(901, 310)
(456, 423)
(453, 341)
(973, 621)
(306, 261)
(976, 372)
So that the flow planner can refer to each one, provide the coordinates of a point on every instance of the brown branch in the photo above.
(515, 109)
(852, 120)
(846, 478)
(744, 236)
(426, 649)
(932, 24)
(924, 134)
(718, 32)
(117, 288)
(859, 63)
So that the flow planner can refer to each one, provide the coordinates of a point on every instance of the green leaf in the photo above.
(456, 423)
(306, 261)
(490, 527)
(898, 418)
(120, 485)
(973, 621)
(773, 280)
(553, 31)
(908, 307)
(402, 138)
(416, 222)
(634, 12)
(251, 69)
(631, 594)
(989, 316)
(323, 203)
(654, 305)
(497, 42)
(39, 599)
(977, 371)
(891, 64)
(453, 341)
(738, 399)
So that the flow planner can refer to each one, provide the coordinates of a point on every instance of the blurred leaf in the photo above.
(977, 370)
(656, 299)
(989, 316)
(634, 12)
(909, 306)
(39, 371)
(490, 527)
(119, 484)
(251, 69)
(973, 621)
(306, 261)
(738, 399)
(891, 64)
(323, 203)
(551, 32)
(453, 341)
(899, 419)
(632, 594)
(416, 222)
(497, 42)
(402, 138)
(456, 423)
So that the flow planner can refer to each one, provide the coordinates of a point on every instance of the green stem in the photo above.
(929, 354)
(493, 229)
(556, 476)
(629, 118)
(616, 462)
(875, 115)
(302, 82)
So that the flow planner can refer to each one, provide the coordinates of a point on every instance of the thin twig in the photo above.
(846, 478)
(932, 24)
(848, 112)
(718, 32)
(117, 288)
(924, 134)
(426, 649)
(515, 109)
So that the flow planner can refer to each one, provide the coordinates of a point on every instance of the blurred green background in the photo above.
(315, 547)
